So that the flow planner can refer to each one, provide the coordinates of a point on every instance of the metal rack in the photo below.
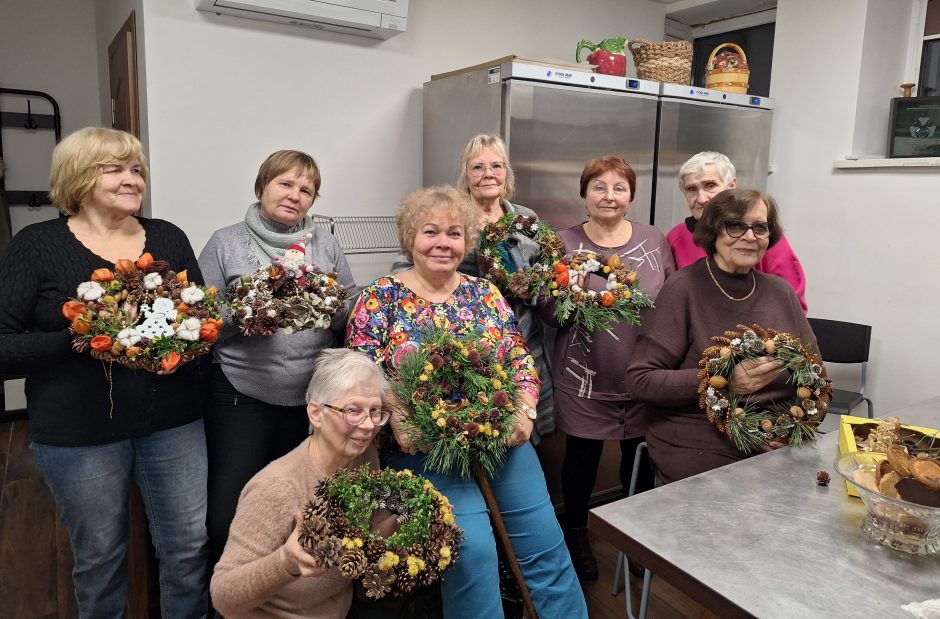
(362, 235)
(30, 122)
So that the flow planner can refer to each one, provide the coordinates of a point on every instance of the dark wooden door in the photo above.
(122, 67)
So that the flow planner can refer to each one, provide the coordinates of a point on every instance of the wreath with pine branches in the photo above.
(337, 530)
(143, 315)
(459, 401)
(275, 298)
(751, 425)
(526, 282)
(621, 301)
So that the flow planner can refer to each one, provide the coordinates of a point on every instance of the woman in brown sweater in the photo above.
(697, 303)
(264, 572)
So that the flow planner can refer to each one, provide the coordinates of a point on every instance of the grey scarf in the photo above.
(270, 239)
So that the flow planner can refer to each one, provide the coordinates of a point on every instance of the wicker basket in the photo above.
(668, 61)
(727, 79)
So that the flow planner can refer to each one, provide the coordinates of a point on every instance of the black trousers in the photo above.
(579, 472)
(243, 435)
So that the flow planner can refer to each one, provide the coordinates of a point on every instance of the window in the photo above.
(928, 84)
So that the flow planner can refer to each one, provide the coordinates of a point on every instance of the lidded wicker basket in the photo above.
(667, 61)
(728, 78)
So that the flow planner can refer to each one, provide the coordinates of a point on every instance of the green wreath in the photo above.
(459, 402)
(527, 281)
(337, 530)
(751, 425)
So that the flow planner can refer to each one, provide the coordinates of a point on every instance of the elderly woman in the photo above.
(485, 176)
(592, 403)
(706, 299)
(95, 427)
(257, 409)
(264, 571)
(437, 226)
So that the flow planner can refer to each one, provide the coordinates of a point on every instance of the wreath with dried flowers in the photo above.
(143, 315)
(279, 297)
(621, 301)
(752, 425)
(528, 280)
(460, 401)
(337, 530)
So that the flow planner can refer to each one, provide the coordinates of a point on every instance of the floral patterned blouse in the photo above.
(387, 319)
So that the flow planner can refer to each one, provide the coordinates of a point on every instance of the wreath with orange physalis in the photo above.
(751, 425)
(143, 315)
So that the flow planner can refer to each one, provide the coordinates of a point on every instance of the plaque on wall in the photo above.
(913, 131)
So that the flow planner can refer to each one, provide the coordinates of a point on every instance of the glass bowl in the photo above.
(895, 523)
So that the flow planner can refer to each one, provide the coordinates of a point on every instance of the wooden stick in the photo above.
(500, 528)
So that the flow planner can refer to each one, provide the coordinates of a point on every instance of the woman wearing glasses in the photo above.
(436, 226)
(704, 300)
(264, 571)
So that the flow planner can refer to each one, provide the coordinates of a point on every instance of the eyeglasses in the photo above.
(479, 169)
(737, 229)
(355, 416)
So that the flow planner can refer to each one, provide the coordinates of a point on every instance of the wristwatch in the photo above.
(529, 411)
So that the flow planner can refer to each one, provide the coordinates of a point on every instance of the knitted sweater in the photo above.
(71, 395)
(276, 368)
(779, 260)
(250, 580)
(663, 372)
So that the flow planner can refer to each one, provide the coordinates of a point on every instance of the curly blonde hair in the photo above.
(77, 162)
(414, 210)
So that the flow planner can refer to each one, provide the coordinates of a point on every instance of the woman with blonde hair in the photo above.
(97, 427)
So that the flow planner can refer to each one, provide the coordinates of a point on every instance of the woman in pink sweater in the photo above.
(264, 572)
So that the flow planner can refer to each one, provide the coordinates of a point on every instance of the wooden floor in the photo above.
(666, 601)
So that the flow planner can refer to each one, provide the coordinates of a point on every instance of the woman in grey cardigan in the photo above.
(257, 409)
(486, 176)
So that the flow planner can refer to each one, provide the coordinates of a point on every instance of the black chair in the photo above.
(844, 342)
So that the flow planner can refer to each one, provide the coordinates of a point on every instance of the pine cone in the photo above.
(352, 564)
(377, 583)
(327, 552)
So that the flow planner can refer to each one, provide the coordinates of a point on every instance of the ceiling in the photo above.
(700, 12)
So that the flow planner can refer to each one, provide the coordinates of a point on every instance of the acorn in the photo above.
(614, 261)
(797, 412)
(725, 352)
(770, 346)
(117, 348)
(804, 393)
(718, 382)
(767, 425)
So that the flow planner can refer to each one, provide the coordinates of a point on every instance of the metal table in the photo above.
(759, 538)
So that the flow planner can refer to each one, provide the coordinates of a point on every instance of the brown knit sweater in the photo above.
(250, 580)
(690, 310)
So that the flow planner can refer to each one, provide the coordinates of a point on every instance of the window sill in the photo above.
(909, 162)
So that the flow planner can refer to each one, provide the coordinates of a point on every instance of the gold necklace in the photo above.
(745, 297)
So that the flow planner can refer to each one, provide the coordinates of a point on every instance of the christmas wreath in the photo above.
(337, 530)
(751, 425)
(528, 280)
(459, 401)
(143, 315)
(290, 294)
(621, 301)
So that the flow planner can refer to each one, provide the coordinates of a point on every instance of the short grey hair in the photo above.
(696, 165)
(337, 370)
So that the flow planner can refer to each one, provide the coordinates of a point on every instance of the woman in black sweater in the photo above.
(96, 427)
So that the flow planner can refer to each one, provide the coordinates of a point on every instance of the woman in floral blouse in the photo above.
(436, 227)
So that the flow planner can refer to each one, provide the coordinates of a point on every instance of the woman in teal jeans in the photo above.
(436, 226)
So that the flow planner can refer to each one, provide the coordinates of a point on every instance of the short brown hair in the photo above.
(77, 162)
(609, 163)
(415, 207)
(283, 161)
(733, 204)
(473, 148)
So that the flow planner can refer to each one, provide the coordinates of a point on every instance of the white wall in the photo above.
(224, 92)
(866, 238)
(45, 45)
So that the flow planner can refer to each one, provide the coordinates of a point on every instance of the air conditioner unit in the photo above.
(378, 19)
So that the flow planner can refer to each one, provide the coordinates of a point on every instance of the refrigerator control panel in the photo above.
(680, 91)
(559, 75)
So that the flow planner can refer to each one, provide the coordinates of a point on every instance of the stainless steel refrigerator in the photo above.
(554, 119)
(693, 119)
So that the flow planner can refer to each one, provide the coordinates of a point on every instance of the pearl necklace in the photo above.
(745, 297)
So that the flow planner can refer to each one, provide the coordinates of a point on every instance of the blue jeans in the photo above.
(471, 587)
(91, 487)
